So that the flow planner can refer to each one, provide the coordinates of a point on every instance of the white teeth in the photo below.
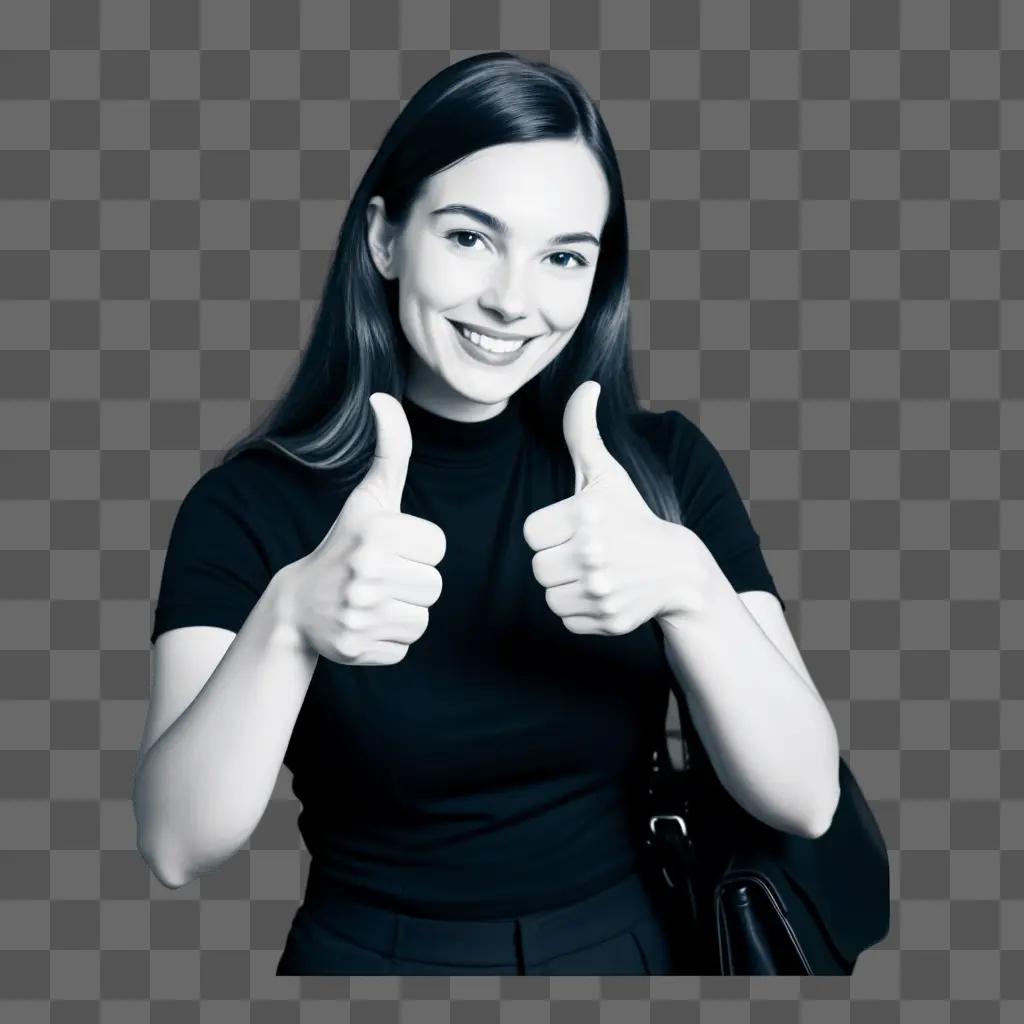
(487, 343)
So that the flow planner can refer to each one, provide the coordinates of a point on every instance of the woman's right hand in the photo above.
(361, 596)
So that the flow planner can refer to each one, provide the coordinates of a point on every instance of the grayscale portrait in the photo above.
(453, 580)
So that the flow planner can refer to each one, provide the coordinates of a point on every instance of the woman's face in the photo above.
(514, 279)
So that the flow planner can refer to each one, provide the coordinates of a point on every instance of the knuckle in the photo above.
(345, 648)
(620, 623)
(354, 564)
(594, 584)
(355, 617)
(350, 620)
(361, 562)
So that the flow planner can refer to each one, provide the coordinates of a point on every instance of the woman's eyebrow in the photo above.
(497, 225)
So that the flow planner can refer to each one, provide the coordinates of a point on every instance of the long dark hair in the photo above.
(324, 420)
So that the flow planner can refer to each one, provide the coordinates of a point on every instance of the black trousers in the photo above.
(622, 930)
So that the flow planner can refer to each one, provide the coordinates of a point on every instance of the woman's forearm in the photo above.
(770, 739)
(202, 788)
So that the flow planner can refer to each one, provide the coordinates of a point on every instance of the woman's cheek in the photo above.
(441, 283)
(566, 305)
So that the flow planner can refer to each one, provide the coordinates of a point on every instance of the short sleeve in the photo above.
(216, 566)
(714, 510)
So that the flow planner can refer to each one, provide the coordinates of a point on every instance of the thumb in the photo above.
(385, 479)
(589, 455)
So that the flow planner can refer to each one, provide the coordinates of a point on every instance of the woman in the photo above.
(472, 778)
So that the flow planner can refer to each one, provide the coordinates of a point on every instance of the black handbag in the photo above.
(748, 899)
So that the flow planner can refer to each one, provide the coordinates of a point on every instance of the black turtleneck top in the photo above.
(500, 768)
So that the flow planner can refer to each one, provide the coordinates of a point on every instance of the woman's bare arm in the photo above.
(202, 787)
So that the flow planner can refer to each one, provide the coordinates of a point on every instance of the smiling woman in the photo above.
(474, 802)
(494, 201)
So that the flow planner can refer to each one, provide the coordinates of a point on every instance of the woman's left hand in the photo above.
(607, 562)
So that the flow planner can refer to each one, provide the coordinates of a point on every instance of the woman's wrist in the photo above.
(283, 589)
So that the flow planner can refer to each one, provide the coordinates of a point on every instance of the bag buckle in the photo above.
(675, 846)
(667, 817)
(677, 851)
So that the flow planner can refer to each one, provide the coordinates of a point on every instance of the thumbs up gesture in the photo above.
(361, 597)
(606, 561)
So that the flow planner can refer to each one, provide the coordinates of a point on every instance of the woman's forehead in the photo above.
(526, 183)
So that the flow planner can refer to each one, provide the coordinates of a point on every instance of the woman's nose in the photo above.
(507, 295)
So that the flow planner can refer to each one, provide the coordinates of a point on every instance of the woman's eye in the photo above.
(472, 234)
(580, 261)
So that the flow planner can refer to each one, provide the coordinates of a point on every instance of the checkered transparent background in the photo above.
(826, 207)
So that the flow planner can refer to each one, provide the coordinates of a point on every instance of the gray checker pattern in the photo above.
(826, 205)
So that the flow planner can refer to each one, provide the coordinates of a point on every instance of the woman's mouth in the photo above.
(488, 350)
